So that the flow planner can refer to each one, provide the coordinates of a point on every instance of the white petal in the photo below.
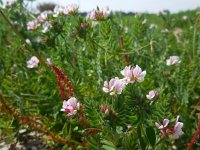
(106, 90)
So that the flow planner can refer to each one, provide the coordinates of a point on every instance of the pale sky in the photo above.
(129, 5)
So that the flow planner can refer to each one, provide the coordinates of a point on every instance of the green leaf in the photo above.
(138, 131)
(151, 135)
(119, 129)
(108, 145)
(142, 143)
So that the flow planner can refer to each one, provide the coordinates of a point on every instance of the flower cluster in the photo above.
(70, 9)
(40, 21)
(114, 86)
(33, 62)
(99, 15)
(175, 130)
(32, 25)
(42, 17)
(70, 106)
(131, 75)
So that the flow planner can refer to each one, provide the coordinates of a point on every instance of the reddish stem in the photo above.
(123, 47)
(195, 137)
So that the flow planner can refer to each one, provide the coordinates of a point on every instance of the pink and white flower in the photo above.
(114, 86)
(92, 15)
(105, 109)
(99, 14)
(33, 62)
(172, 60)
(138, 74)
(46, 26)
(70, 106)
(42, 17)
(152, 95)
(163, 125)
(57, 11)
(127, 72)
(133, 74)
(71, 9)
(177, 130)
(32, 25)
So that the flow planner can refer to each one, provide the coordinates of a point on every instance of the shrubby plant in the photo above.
(101, 81)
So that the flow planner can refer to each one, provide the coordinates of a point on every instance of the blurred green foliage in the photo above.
(91, 55)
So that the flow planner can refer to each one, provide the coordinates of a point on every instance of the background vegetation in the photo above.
(89, 56)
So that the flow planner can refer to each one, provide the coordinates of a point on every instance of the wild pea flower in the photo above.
(33, 62)
(164, 30)
(144, 21)
(153, 26)
(48, 61)
(71, 9)
(138, 74)
(175, 131)
(114, 86)
(92, 15)
(42, 17)
(163, 125)
(172, 60)
(106, 12)
(99, 14)
(46, 26)
(105, 109)
(28, 41)
(32, 25)
(70, 106)
(185, 18)
(57, 11)
(127, 72)
(133, 74)
(152, 95)
(84, 24)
